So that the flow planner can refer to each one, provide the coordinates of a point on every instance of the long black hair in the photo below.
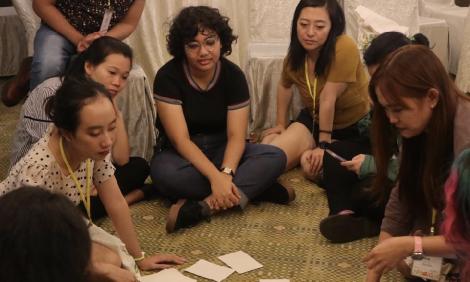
(296, 53)
(387, 42)
(43, 238)
(96, 54)
(64, 107)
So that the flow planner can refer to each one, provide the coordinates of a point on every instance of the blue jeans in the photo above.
(52, 52)
(176, 178)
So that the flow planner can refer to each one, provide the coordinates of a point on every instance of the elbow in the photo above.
(121, 160)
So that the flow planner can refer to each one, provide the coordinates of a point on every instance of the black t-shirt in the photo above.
(204, 111)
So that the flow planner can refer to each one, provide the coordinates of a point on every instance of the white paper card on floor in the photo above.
(274, 280)
(166, 275)
(240, 261)
(210, 270)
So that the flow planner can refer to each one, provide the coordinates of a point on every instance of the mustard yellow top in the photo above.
(346, 66)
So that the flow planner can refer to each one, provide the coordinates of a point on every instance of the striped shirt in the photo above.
(33, 121)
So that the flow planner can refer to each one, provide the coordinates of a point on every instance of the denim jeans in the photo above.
(176, 178)
(52, 52)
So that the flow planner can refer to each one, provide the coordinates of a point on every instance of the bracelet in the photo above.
(323, 145)
(325, 131)
(141, 258)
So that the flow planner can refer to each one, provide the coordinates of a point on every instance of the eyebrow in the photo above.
(99, 126)
(315, 21)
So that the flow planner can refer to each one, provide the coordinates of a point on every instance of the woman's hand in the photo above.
(312, 162)
(225, 194)
(86, 41)
(278, 129)
(160, 261)
(389, 253)
(355, 164)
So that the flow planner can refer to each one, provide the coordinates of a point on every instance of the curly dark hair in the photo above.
(191, 20)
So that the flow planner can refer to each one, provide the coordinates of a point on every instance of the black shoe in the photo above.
(183, 214)
(16, 89)
(343, 228)
(277, 194)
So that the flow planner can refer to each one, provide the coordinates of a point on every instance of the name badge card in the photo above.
(108, 15)
(427, 268)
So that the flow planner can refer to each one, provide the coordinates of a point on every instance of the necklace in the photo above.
(85, 197)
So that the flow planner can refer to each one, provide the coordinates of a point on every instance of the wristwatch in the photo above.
(323, 145)
(418, 249)
(227, 170)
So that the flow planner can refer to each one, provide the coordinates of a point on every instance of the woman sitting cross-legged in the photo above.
(202, 101)
(72, 157)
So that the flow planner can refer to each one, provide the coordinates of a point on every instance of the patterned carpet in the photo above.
(285, 239)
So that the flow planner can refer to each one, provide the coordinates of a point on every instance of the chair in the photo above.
(405, 13)
(135, 101)
(269, 28)
(463, 73)
(12, 41)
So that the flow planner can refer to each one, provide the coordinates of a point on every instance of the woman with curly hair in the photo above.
(204, 163)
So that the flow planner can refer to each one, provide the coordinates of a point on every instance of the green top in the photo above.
(368, 168)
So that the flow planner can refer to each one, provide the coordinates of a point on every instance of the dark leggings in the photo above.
(343, 188)
(129, 177)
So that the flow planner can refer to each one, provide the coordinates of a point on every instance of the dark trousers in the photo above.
(176, 178)
(129, 177)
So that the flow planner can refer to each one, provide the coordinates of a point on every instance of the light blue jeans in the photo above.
(52, 52)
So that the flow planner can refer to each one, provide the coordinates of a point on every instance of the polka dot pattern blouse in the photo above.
(39, 168)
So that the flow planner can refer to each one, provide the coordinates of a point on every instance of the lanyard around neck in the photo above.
(313, 93)
(84, 197)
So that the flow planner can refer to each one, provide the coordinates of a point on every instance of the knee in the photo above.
(139, 165)
(163, 171)
(277, 158)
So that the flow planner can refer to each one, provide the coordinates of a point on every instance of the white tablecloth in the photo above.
(455, 18)
(139, 114)
(263, 75)
(437, 31)
(12, 41)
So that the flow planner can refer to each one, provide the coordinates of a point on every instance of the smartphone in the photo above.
(334, 155)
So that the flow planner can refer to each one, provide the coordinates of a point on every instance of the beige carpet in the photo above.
(285, 239)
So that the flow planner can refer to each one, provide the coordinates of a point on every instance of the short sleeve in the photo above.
(344, 66)
(165, 85)
(286, 75)
(396, 221)
(31, 175)
(36, 120)
(103, 170)
(239, 96)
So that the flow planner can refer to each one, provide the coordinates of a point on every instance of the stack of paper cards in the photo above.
(210, 270)
(240, 261)
(166, 275)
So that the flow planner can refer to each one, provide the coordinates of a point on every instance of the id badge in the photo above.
(427, 268)
(108, 15)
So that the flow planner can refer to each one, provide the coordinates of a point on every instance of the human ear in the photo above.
(89, 68)
(433, 97)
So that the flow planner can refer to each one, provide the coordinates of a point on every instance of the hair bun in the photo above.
(420, 39)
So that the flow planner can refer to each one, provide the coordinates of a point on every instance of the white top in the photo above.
(39, 168)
